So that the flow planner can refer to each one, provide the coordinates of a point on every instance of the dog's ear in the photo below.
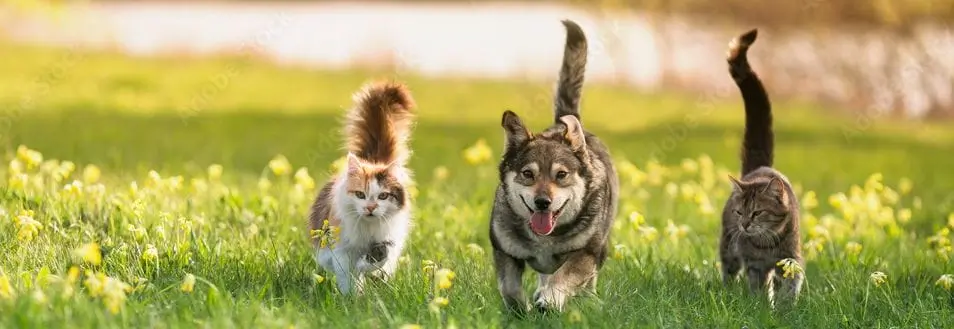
(574, 132)
(516, 132)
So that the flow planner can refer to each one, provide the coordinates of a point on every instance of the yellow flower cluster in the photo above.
(790, 268)
(111, 290)
(878, 278)
(327, 235)
(27, 227)
(478, 153)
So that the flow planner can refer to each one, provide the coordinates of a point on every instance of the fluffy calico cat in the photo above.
(367, 201)
(760, 219)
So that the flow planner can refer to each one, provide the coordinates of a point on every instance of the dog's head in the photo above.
(545, 175)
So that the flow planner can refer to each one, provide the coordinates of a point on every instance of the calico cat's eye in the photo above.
(359, 194)
(527, 174)
(383, 196)
(561, 174)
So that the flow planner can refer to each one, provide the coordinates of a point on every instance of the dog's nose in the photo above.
(542, 202)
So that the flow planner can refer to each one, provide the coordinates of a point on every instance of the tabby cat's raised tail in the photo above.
(758, 145)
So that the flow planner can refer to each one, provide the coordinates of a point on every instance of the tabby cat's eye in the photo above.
(527, 174)
(359, 194)
(757, 213)
(383, 196)
(738, 212)
(561, 174)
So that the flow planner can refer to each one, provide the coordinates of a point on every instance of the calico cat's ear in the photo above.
(736, 184)
(354, 164)
(776, 189)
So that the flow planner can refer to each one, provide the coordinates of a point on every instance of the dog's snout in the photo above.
(542, 202)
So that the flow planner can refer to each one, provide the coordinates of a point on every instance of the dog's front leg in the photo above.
(578, 272)
(509, 274)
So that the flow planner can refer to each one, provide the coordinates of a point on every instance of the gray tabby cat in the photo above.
(760, 219)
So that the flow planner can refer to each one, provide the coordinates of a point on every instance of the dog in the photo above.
(557, 198)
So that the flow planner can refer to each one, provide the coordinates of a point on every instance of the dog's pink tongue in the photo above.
(541, 222)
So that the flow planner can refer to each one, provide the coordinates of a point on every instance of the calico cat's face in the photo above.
(760, 208)
(374, 191)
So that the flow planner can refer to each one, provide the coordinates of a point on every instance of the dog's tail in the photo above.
(379, 125)
(570, 87)
(758, 144)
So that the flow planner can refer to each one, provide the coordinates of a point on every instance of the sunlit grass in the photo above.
(118, 210)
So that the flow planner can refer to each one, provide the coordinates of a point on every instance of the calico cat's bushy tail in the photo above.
(378, 127)
(758, 144)
(570, 87)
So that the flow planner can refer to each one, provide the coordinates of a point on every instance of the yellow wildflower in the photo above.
(946, 281)
(15, 167)
(279, 165)
(874, 182)
(18, 181)
(91, 174)
(428, 266)
(672, 190)
(444, 277)
(31, 158)
(72, 276)
(114, 294)
(215, 172)
(478, 153)
(676, 232)
(441, 173)
(94, 283)
(809, 201)
(89, 253)
(318, 278)
(150, 254)
(304, 179)
(6, 289)
(890, 196)
(73, 189)
(637, 218)
(475, 249)
(689, 165)
(838, 200)
(619, 251)
(904, 215)
(853, 248)
(411, 326)
(648, 233)
(905, 185)
(264, 184)
(440, 301)
(878, 278)
(790, 268)
(155, 180)
(28, 228)
(188, 283)
(950, 220)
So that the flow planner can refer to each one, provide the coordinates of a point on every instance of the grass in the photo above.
(247, 246)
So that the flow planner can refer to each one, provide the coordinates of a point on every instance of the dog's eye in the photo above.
(359, 194)
(561, 174)
(383, 196)
(527, 174)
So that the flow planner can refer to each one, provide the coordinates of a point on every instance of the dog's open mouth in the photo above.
(543, 222)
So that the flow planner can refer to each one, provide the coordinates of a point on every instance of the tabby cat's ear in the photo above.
(776, 189)
(736, 184)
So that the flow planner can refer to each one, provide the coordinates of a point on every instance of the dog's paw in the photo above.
(549, 299)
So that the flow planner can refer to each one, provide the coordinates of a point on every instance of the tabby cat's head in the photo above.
(761, 207)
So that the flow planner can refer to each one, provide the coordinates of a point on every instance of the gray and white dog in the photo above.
(557, 197)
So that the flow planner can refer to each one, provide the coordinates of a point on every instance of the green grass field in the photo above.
(883, 194)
